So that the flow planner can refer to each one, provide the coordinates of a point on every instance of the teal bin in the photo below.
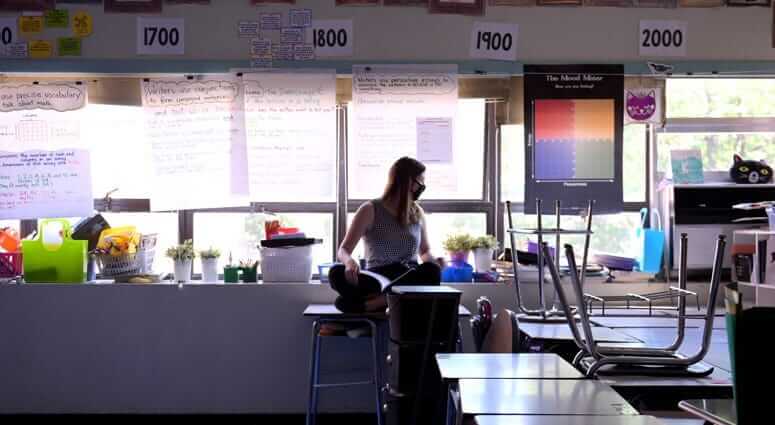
(54, 256)
(651, 244)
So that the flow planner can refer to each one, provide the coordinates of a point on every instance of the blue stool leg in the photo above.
(377, 380)
(314, 375)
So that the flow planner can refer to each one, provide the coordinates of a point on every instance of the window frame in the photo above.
(491, 204)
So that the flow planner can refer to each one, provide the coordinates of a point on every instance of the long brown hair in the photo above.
(402, 174)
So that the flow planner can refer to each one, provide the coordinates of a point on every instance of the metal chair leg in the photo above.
(314, 375)
(377, 380)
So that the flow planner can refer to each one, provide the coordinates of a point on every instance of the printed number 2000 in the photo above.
(662, 38)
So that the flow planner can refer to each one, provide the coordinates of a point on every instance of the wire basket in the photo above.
(139, 262)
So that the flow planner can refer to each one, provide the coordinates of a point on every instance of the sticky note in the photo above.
(40, 49)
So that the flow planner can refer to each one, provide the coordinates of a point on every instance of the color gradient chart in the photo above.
(574, 139)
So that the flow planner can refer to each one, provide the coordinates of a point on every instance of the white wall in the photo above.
(560, 34)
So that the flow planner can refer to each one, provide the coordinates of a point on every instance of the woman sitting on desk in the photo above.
(393, 232)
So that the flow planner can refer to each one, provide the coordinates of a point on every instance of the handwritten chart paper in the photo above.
(291, 136)
(388, 100)
(44, 165)
(195, 128)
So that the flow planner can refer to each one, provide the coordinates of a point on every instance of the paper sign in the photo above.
(248, 29)
(282, 52)
(300, 18)
(41, 49)
(14, 50)
(265, 62)
(38, 184)
(332, 37)
(292, 35)
(434, 140)
(29, 25)
(494, 41)
(303, 52)
(260, 47)
(57, 18)
(662, 38)
(270, 21)
(69, 46)
(196, 132)
(55, 97)
(82, 24)
(160, 36)
(7, 31)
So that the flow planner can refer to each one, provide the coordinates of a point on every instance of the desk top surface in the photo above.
(656, 337)
(565, 420)
(505, 366)
(541, 397)
(718, 378)
(329, 310)
(562, 332)
(716, 411)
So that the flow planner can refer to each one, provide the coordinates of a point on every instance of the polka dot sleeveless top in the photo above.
(387, 241)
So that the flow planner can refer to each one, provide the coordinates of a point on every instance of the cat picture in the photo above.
(745, 171)
(641, 107)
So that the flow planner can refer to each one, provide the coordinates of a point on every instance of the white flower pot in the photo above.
(182, 271)
(483, 259)
(209, 270)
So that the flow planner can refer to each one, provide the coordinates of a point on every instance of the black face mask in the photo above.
(416, 194)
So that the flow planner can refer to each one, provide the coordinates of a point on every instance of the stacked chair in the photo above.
(594, 358)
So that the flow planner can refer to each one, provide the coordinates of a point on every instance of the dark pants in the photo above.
(351, 297)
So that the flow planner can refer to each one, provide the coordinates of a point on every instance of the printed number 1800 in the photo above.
(330, 38)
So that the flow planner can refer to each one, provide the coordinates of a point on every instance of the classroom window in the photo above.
(439, 226)
(237, 235)
(720, 97)
(462, 179)
(717, 149)
(613, 234)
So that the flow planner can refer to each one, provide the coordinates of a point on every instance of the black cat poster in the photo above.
(643, 106)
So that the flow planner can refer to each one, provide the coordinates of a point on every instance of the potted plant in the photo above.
(458, 246)
(210, 264)
(183, 256)
(483, 247)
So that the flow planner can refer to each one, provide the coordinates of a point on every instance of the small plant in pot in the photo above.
(183, 257)
(210, 264)
(483, 247)
(458, 246)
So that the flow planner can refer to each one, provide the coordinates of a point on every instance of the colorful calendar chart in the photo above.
(574, 139)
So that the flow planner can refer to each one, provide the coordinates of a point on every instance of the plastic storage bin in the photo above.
(287, 264)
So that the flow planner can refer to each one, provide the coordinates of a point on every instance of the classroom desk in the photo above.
(329, 310)
(655, 321)
(670, 390)
(715, 411)
(541, 397)
(562, 332)
(565, 420)
(660, 337)
(455, 366)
